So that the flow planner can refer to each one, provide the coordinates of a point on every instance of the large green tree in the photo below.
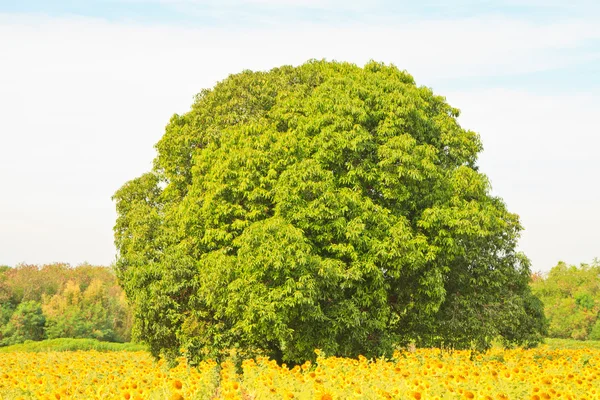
(321, 206)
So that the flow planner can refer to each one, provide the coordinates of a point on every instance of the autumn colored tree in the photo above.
(93, 313)
(320, 206)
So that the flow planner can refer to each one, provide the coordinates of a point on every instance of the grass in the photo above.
(572, 344)
(67, 344)
(71, 345)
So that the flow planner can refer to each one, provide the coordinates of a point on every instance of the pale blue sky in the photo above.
(88, 86)
(255, 12)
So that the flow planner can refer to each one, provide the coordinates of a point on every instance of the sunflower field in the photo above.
(543, 373)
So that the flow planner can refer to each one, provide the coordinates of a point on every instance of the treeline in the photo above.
(571, 297)
(59, 301)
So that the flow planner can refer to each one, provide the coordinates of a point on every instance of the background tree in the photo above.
(6, 306)
(93, 313)
(571, 297)
(26, 323)
(321, 206)
(81, 302)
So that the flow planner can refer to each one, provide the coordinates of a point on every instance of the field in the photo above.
(557, 370)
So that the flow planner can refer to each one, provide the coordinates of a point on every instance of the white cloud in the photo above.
(83, 101)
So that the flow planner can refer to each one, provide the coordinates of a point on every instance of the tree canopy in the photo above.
(321, 206)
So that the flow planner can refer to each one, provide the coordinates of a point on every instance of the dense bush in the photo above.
(25, 323)
(321, 206)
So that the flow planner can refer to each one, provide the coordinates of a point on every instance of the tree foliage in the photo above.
(571, 297)
(25, 323)
(57, 301)
(321, 206)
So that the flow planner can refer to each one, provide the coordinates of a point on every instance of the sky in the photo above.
(87, 87)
